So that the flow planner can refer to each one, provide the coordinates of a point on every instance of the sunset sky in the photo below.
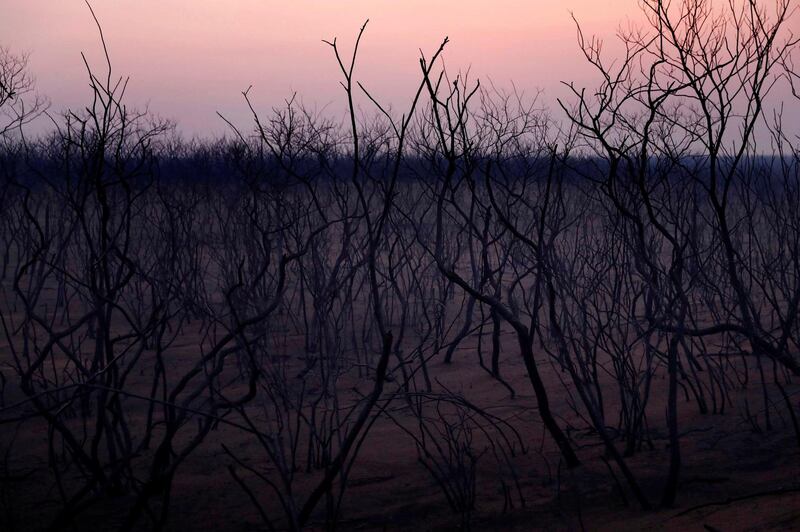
(189, 59)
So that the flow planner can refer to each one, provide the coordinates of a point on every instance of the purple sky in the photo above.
(189, 59)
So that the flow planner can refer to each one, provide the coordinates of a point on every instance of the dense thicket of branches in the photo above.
(301, 281)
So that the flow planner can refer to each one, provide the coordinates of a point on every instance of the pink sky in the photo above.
(188, 59)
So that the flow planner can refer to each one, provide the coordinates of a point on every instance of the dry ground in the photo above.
(736, 472)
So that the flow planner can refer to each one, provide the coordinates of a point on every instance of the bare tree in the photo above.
(19, 101)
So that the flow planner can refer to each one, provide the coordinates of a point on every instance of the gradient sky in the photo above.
(188, 59)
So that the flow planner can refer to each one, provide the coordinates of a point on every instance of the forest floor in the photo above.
(733, 476)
